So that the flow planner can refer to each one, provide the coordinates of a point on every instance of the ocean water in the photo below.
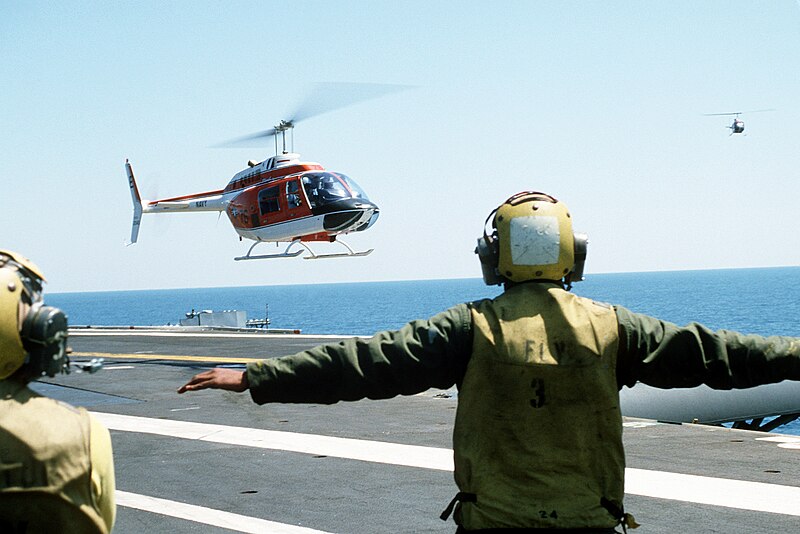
(345, 308)
(762, 301)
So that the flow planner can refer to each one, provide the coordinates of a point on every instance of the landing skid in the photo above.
(312, 256)
(350, 253)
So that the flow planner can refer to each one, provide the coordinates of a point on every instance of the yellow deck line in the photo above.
(171, 357)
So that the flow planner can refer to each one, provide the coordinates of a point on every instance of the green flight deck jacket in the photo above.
(437, 352)
(434, 353)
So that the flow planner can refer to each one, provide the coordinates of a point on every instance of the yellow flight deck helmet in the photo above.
(31, 333)
(531, 239)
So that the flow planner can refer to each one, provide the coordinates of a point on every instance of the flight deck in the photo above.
(214, 461)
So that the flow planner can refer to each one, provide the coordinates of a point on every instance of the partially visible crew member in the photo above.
(537, 440)
(56, 466)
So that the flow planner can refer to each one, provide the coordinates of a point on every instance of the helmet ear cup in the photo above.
(488, 251)
(581, 248)
(44, 336)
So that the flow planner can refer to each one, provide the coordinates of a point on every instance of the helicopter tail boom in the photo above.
(210, 201)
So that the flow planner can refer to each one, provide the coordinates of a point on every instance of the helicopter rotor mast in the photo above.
(281, 129)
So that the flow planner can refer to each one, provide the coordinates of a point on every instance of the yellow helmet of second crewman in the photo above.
(31, 333)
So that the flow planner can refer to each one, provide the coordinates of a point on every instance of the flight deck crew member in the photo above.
(56, 467)
(525, 363)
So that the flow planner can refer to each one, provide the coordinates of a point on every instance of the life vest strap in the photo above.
(461, 496)
(624, 519)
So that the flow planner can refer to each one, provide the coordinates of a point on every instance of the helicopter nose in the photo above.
(372, 219)
(351, 216)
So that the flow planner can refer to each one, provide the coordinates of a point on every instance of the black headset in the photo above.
(44, 338)
(488, 251)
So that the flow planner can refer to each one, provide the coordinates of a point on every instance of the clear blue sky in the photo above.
(598, 103)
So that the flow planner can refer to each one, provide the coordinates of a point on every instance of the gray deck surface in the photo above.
(343, 495)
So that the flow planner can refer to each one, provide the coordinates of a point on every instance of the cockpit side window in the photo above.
(268, 200)
(310, 185)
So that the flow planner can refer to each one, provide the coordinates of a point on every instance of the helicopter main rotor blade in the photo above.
(759, 110)
(739, 112)
(247, 139)
(326, 97)
(323, 98)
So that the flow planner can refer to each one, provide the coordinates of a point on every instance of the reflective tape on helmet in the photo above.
(534, 240)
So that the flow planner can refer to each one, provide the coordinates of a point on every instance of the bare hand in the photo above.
(227, 379)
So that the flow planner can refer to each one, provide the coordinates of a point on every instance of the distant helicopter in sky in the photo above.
(283, 199)
(737, 126)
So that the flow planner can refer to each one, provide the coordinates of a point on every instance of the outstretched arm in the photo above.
(665, 355)
(421, 355)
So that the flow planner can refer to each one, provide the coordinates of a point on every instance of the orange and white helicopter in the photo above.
(281, 199)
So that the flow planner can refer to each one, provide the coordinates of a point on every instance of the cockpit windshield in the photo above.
(327, 187)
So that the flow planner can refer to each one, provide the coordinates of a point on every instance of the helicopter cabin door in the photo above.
(269, 205)
(281, 202)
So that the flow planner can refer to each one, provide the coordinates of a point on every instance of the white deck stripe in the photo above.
(729, 493)
(207, 516)
(784, 442)
(354, 449)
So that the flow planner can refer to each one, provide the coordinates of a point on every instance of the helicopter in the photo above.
(737, 126)
(283, 199)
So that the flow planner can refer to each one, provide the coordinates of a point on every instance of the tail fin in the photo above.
(137, 203)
